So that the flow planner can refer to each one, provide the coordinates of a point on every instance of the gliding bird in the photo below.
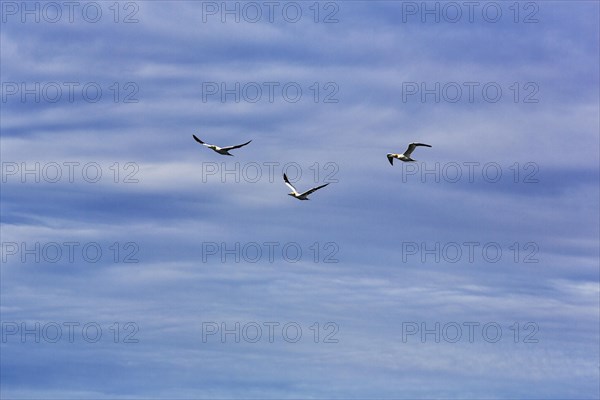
(301, 196)
(406, 155)
(221, 150)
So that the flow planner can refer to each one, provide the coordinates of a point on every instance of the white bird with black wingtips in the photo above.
(221, 150)
(406, 155)
(300, 196)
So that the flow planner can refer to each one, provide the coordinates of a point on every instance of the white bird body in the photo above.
(406, 155)
(221, 150)
(303, 195)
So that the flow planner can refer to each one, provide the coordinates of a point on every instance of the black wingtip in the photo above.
(197, 140)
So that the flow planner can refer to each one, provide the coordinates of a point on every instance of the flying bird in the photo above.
(406, 155)
(301, 196)
(221, 150)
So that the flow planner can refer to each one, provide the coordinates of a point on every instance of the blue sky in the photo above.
(383, 249)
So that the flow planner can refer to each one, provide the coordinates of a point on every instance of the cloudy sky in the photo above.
(137, 263)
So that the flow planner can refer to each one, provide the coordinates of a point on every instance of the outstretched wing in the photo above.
(412, 147)
(313, 190)
(235, 147)
(200, 141)
(287, 182)
(390, 159)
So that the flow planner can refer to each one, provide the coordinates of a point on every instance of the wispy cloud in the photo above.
(114, 218)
